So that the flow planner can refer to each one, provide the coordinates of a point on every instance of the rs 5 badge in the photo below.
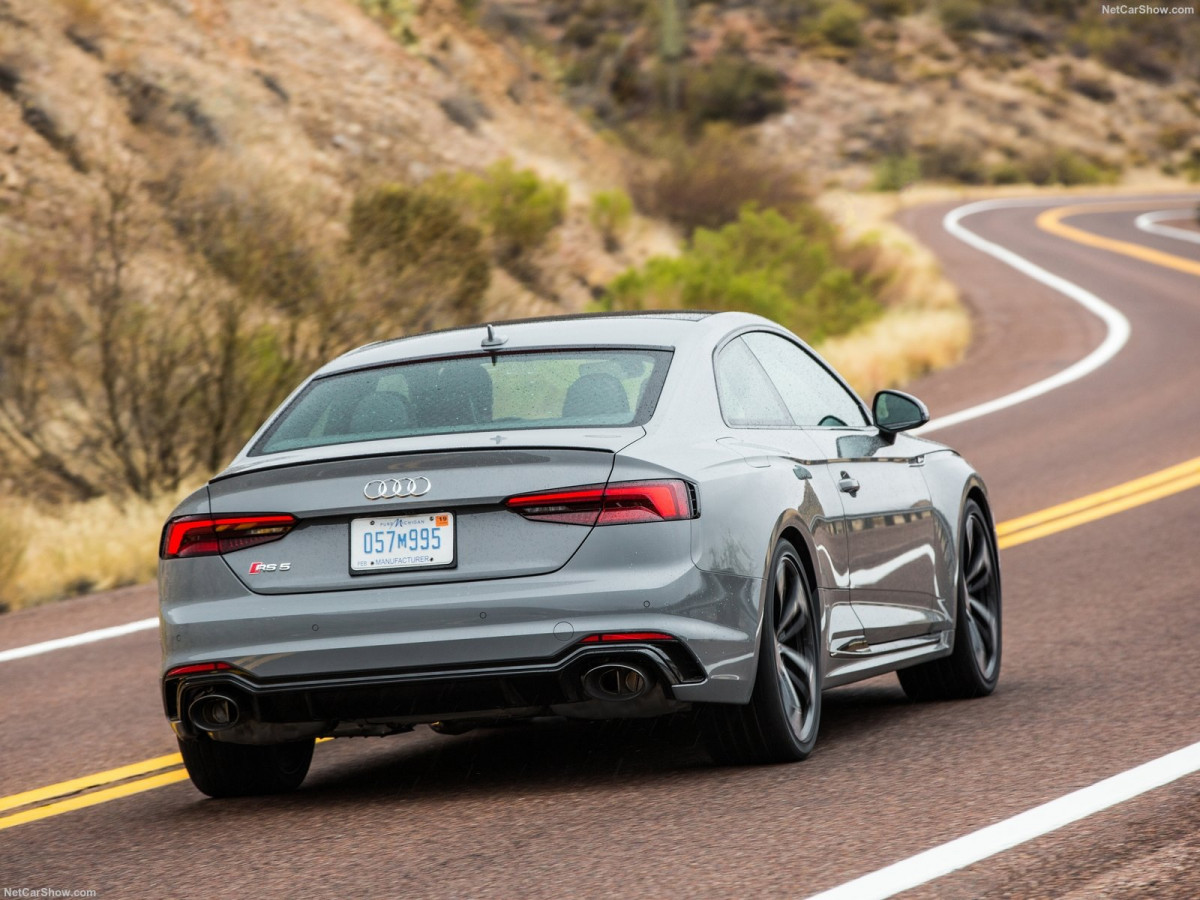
(260, 567)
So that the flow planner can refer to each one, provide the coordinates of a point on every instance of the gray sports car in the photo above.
(592, 516)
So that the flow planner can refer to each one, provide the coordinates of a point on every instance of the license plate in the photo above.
(387, 543)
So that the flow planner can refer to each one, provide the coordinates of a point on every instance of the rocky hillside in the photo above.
(861, 93)
(309, 100)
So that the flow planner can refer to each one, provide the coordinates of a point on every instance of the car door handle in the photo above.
(848, 485)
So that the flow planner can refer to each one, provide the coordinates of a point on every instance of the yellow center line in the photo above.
(1103, 510)
(1051, 221)
(87, 782)
(61, 793)
(84, 800)
(1100, 498)
(1139, 491)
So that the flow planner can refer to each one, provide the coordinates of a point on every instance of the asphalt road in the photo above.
(1100, 674)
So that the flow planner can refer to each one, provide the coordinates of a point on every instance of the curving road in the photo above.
(1100, 675)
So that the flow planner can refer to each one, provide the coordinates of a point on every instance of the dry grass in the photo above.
(76, 549)
(898, 347)
(14, 543)
(924, 328)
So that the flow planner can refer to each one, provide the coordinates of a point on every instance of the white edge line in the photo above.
(956, 854)
(1149, 222)
(971, 848)
(1118, 334)
(1116, 323)
(87, 637)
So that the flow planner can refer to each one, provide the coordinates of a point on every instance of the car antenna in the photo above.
(492, 341)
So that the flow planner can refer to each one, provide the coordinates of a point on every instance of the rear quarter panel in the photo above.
(950, 479)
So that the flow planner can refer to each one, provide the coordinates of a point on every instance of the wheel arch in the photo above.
(790, 527)
(973, 488)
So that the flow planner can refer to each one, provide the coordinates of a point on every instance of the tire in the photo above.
(780, 722)
(973, 666)
(242, 770)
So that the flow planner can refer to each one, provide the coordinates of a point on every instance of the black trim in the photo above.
(429, 693)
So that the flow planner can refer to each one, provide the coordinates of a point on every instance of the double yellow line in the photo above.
(79, 793)
(90, 790)
(1100, 504)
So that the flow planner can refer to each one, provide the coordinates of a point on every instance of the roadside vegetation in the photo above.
(166, 279)
(885, 93)
(123, 384)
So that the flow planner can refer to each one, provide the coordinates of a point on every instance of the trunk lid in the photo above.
(326, 491)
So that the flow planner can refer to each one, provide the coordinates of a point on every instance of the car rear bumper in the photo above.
(368, 703)
(465, 641)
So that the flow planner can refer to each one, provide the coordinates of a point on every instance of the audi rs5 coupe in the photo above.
(594, 517)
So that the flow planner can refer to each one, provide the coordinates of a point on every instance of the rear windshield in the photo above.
(510, 391)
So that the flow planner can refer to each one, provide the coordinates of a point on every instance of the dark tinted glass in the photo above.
(568, 389)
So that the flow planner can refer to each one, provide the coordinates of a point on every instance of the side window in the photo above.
(812, 395)
(746, 394)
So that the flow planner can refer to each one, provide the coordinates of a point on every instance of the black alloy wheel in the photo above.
(781, 721)
(795, 649)
(973, 666)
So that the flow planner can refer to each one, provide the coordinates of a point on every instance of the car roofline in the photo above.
(680, 315)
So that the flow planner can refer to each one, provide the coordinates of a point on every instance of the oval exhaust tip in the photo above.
(214, 712)
(616, 681)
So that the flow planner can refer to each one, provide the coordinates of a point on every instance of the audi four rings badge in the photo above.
(395, 488)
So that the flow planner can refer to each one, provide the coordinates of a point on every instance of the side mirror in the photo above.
(895, 411)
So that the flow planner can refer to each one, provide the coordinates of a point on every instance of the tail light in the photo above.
(208, 536)
(626, 637)
(198, 669)
(613, 504)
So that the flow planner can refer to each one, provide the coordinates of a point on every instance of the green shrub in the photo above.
(781, 268)
(841, 23)
(610, 215)
(1067, 167)
(893, 173)
(1191, 168)
(515, 210)
(396, 17)
(518, 208)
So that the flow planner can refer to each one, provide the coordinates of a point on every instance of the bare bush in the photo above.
(14, 542)
(113, 380)
(704, 184)
(432, 261)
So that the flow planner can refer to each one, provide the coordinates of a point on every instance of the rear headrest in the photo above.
(462, 396)
(597, 394)
(380, 411)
